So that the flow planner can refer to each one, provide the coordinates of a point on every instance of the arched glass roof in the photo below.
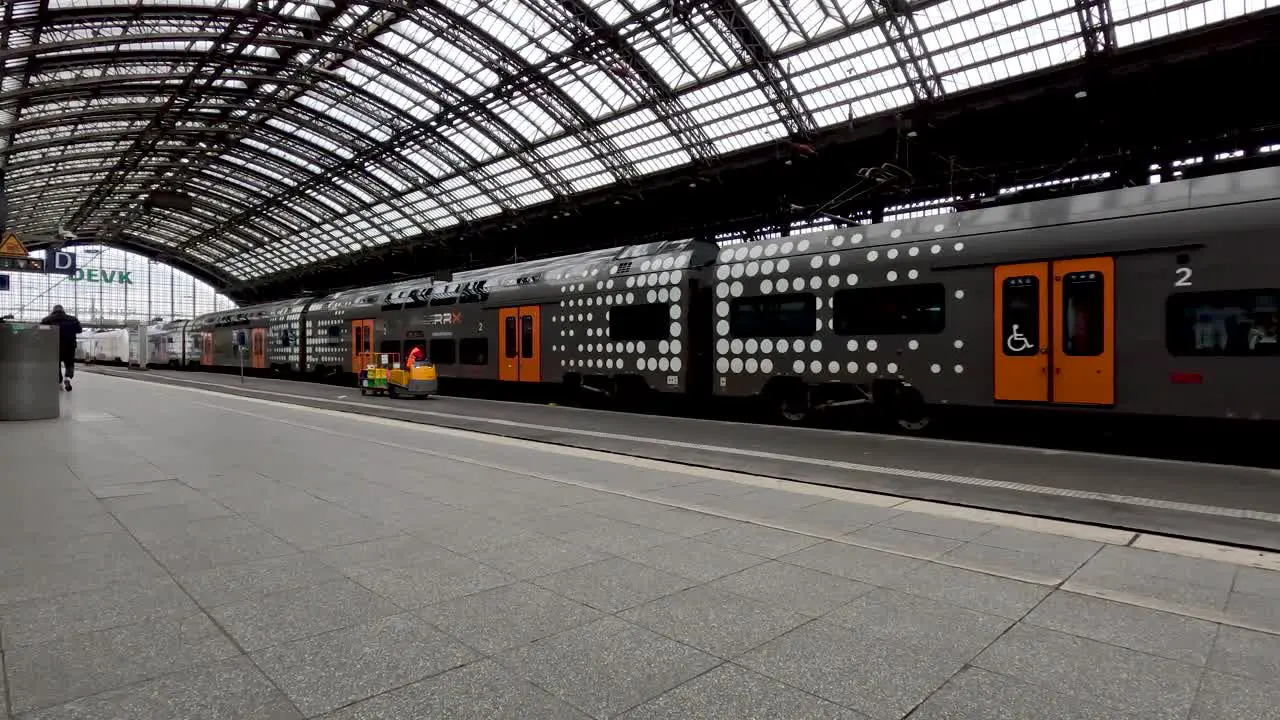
(303, 130)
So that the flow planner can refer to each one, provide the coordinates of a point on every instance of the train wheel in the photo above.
(905, 408)
(794, 407)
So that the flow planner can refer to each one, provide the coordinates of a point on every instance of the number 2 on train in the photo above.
(1183, 277)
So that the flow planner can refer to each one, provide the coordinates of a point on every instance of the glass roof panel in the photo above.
(973, 45)
(595, 91)
(318, 85)
(1138, 21)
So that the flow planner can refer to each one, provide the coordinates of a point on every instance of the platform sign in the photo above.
(59, 262)
(13, 256)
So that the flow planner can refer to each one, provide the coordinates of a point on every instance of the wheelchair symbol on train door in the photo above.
(1017, 342)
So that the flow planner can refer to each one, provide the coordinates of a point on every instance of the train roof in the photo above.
(533, 276)
(1206, 192)
(249, 312)
(478, 284)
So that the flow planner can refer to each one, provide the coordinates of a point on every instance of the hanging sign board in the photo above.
(13, 256)
(12, 246)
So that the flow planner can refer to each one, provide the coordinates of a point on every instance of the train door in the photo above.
(1022, 332)
(519, 338)
(258, 347)
(530, 341)
(1055, 327)
(206, 348)
(1084, 334)
(361, 344)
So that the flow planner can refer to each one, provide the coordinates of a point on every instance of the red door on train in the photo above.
(519, 338)
(206, 349)
(361, 344)
(1055, 332)
(258, 347)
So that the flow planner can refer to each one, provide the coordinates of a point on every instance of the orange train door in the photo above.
(519, 337)
(1084, 366)
(258, 347)
(1055, 332)
(361, 344)
(1022, 332)
(530, 340)
(206, 354)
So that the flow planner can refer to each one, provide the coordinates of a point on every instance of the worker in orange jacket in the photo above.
(415, 355)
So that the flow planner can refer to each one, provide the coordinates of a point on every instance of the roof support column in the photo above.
(900, 29)
(1096, 27)
(764, 66)
(642, 79)
(12, 82)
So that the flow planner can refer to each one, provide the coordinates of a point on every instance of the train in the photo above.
(1154, 300)
(108, 347)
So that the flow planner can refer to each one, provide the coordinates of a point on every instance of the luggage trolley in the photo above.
(373, 377)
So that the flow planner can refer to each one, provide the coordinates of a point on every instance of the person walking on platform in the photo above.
(68, 329)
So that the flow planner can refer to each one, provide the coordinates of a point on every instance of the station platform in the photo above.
(176, 552)
(1221, 503)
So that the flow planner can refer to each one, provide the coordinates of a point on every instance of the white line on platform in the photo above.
(1210, 551)
(1239, 513)
(1152, 603)
(1031, 523)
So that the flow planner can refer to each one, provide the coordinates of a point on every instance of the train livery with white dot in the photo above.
(1154, 300)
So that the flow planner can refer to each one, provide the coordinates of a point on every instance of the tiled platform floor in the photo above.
(176, 554)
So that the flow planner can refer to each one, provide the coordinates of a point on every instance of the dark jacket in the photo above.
(68, 329)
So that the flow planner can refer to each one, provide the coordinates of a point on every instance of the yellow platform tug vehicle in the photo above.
(416, 378)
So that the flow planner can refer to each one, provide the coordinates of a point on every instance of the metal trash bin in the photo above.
(28, 361)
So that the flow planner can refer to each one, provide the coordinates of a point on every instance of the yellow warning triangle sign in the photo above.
(12, 246)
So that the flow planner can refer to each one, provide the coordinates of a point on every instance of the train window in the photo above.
(442, 351)
(892, 310)
(651, 321)
(1229, 322)
(793, 315)
(473, 351)
(1083, 315)
(1020, 297)
(526, 336)
(509, 330)
(239, 339)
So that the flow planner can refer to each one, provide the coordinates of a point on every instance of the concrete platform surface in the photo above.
(176, 553)
(1221, 503)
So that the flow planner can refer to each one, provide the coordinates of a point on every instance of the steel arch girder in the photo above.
(773, 82)
(652, 90)
(1097, 28)
(898, 23)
